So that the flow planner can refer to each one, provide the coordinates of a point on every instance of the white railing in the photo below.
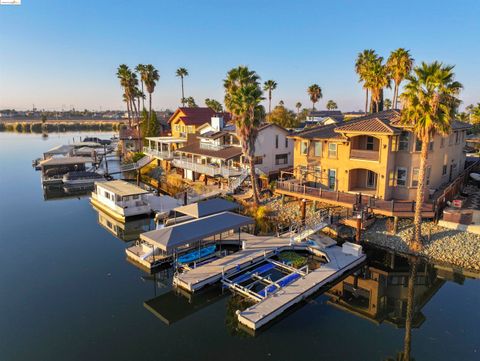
(213, 146)
(158, 153)
(210, 170)
(137, 165)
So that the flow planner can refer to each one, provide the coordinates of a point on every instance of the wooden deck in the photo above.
(393, 208)
(271, 307)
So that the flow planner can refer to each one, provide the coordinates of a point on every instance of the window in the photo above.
(450, 139)
(442, 142)
(177, 127)
(401, 176)
(332, 150)
(427, 175)
(281, 159)
(369, 143)
(135, 196)
(304, 147)
(415, 172)
(444, 169)
(286, 142)
(403, 141)
(418, 145)
(318, 149)
(258, 159)
(456, 138)
(276, 141)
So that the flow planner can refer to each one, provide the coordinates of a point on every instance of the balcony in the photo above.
(211, 170)
(163, 155)
(363, 154)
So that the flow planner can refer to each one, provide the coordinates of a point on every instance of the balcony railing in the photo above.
(158, 153)
(211, 170)
(364, 154)
(394, 207)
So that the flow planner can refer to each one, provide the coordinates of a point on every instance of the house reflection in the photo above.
(379, 292)
(126, 231)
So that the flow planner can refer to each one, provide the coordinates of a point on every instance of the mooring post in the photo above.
(304, 210)
(359, 228)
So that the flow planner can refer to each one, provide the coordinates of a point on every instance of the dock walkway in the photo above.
(271, 307)
(256, 249)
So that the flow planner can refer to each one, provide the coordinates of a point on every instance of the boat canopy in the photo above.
(170, 238)
(64, 161)
(207, 208)
(58, 150)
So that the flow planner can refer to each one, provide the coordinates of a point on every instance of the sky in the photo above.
(58, 54)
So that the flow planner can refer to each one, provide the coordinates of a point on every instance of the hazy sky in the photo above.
(65, 52)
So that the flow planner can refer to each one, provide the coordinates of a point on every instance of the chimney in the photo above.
(217, 122)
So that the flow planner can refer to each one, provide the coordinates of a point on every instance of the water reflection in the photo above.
(126, 231)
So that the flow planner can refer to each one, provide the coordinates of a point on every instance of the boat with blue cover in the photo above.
(196, 255)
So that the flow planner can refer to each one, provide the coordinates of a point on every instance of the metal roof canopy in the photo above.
(170, 238)
(59, 149)
(65, 161)
(207, 207)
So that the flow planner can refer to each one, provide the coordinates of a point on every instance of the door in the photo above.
(371, 179)
(332, 178)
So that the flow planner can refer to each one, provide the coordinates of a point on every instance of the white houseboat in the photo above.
(120, 199)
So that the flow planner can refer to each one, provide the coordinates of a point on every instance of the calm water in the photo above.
(68, 293)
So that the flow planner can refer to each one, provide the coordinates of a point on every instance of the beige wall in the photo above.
(385, 167)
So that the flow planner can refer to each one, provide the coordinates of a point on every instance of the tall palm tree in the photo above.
(213, 104)
(125, 75)
(269, 86)
(315, 93)
(429, 103)
(243, 96)
(140, 69)
(182, 73)
(378, 78)
(331, 105)
(364, 62)
(298, 106)
(150, 79)
(399, 64)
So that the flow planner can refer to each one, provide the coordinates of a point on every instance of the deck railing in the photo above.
(364, 154)
(158, 153)
(210, 170)
(353, 198)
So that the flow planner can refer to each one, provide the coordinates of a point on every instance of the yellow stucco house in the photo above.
(374, 156)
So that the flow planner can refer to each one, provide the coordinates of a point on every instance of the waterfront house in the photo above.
(130, 139)
(120, 199)
(372, 157)
(213, 150)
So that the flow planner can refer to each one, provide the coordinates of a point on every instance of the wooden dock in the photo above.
(271, 307)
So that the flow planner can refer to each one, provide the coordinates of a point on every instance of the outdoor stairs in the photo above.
(137, 165)
(238, 181)
(312, 225)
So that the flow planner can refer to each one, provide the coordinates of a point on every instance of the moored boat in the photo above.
(81, 178)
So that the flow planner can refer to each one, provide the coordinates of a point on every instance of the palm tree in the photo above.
(269, 85)
(399, 64)
(124, 74)
(150, 78)
(387, 103)
(213, 104)
(140, 69)
(429, 103)
(182, 73)
(315, 93)
(364, 62)
(298, 106)
(378, 79)
(331, 105)
(243, 96)
(190, 102)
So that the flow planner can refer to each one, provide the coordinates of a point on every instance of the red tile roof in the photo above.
(198, 115)
(371, 125)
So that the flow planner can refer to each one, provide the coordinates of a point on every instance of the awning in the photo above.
(170, 238)
(207, 208)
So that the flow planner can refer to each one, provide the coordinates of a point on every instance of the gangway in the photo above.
(142, 162)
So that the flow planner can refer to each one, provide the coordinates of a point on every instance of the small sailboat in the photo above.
(196, 255)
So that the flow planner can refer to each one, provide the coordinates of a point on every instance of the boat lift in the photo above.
(256, 274)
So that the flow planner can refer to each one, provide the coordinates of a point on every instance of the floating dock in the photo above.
(271, 307)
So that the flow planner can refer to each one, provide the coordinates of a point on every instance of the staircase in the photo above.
(137, 165)
(312, 225)
(238, 181)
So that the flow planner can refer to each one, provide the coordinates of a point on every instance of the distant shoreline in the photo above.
(60, 120)
(60, 126)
